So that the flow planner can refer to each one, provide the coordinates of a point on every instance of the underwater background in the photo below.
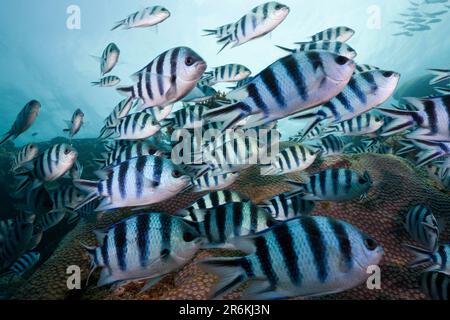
(44, 59)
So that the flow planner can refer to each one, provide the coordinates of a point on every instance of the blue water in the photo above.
(42, 59)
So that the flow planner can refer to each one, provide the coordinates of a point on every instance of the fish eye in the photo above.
(341, 60)
(66, 151)
(370, 244)
(387, 74)
(189, 61)
(188, 237)
(151, 151)
(278, 7)
(362, 180)
(176, 174)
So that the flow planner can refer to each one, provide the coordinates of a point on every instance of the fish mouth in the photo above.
(201, 66)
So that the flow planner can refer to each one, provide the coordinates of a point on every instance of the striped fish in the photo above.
(228, 73)
(145, 246)
(307, 256)
(25, 263)
(213, 200)
(335, 185)
(50, 220)
(136, 126)
(137, 182)
(160, 113)
(221, 31)
(262, 20)
(51, 165)
(16, 241)
(360, 68)
(108, 81)
(315, 133)
(25, 154)
(439, 75)
(211, 182)
(288, 205)
(293, 159)
(221, 224)
(294, 83)
(167, 79)
(364, 92)
(330, 145)
(188, 117)
(359, 126)
(109, 58)
(339, 48)
(431, 151)
(439, 258)
(147, 17)
(121, 110)
(75, 124)
(432, 119)
(422, 226)
(441, 174)
(66, 198)
(341, 34)
(200, 93)
(127, 152)
(436, 285)
(23, 122)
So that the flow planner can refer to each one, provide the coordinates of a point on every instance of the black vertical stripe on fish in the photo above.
(160, 72)
(257, 98)
(430, 110)
(105, 254)
(332, 107)
(109, 184)
(148, 81)
(312, 184)
(237, 218)
(315, 60)
(271, 83)
(285, 243)
(166, 235)
(317, 246)
(335, 181)
(120, 242)
(253, 218)
(143, 224)
(265, 261)
(157, 170)
(348, 181)
(353, 85)
(323, 182)
(139, 175)
(284, 204)
(345, 102)
(207, 226)
(220, 222)
(345, 246)
(122, 179)
(295, 75)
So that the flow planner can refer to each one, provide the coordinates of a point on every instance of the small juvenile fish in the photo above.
(108, 81)
(136, 126)
(259, 22)
(220, 224)
(228, 73)
(440, 257)
(188, 117)
(361, 125)
(147, 17)
(109, 58)
(288, 205)
(127, 152)
(167, 79)
(436, 285)
(341, 34)
(25, 263)
(303, 257)
(211, 182)
(335, 185)
(330, 145)
(24, 155)
(340, 48)
(75, 124)
(422, 226)
(24, 121)
(292, 159)
(66, 198)
(137, 182)
(52, 164)
(50, 219)
(214, 200)
(16, 241)
(145, 246)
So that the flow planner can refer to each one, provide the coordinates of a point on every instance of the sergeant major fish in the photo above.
(75, 124)
(147, 17)
(24, 155)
